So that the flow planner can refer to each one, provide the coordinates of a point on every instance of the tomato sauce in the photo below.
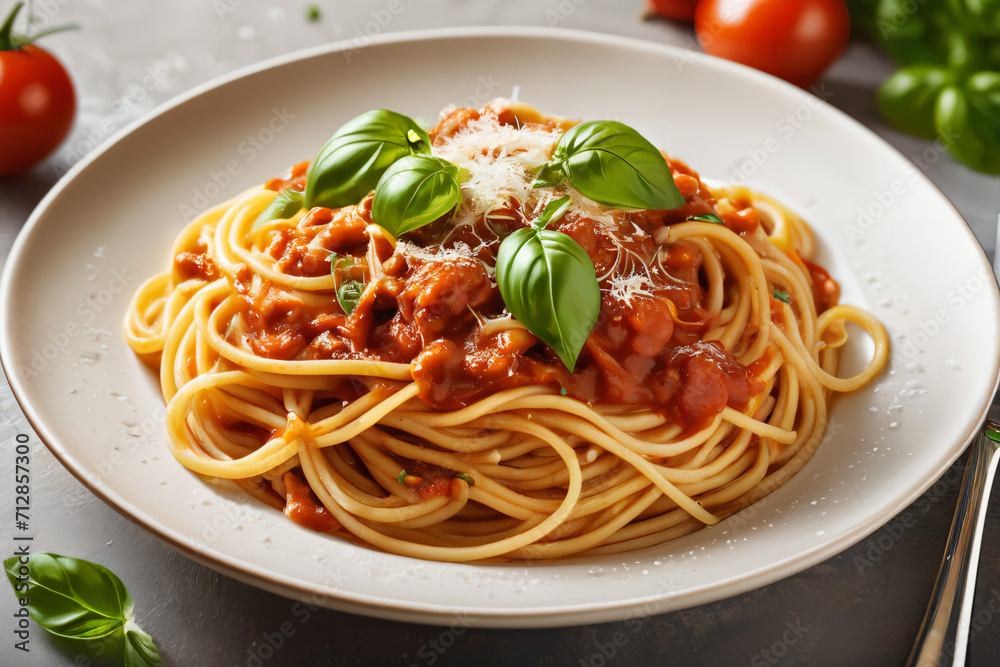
(428, 306)
(826, 291)
(294, 178)
(428, 480)
(302, 506)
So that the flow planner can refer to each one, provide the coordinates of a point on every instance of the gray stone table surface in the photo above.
(862, 607)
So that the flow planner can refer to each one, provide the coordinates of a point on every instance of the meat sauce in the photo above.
(302, 506)
(427, 308)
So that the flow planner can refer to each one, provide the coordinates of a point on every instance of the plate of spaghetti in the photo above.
(618, 351)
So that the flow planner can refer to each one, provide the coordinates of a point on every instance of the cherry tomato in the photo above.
(679, 10)
(37, 102)
(796, 40)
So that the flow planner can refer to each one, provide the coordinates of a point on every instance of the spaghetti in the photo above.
(423, 420)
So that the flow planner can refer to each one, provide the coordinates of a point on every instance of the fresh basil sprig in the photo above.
(414, 191)
(286, 204)
(612, 164)
(350, 165)
(77, 599)
(549, 285)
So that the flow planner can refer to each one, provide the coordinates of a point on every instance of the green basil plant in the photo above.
(949, 53)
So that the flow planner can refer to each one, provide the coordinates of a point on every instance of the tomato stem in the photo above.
(22, 41)
(6, 38)
(10, 41)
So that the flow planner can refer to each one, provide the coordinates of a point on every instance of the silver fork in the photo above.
(943, 638)
(944, 634)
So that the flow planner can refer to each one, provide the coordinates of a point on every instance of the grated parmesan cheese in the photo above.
(440, 254)
(500, 161)
(625, 288)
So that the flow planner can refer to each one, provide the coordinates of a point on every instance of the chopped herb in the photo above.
(401, 478)
(313, 14)
(465, 477)
(348, 291)
(782, 296)
(707, 217)
(286, 203)
(348, 295)
(562, 390)
(554, 210)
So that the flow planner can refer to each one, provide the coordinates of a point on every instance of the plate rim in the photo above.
(366, 603)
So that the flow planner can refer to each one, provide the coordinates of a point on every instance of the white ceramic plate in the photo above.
(895, 243)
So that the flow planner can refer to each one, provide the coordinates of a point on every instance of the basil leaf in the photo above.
(71, 597)
(612, 164)
(782, 296)
(907, 98)
(465, 477)
(348, 295)
(914, 33)
(350, 165)
(337, 261)
(549, 175)
(286, 204)
(707, 217)
(967, 119)
(554, 210)
(549, 285)
(983, 89)
(349, 291)
(977, 16)
(140, 651)
(77, 599)
(414, 191)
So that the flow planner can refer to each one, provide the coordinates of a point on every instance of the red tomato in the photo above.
(796, 40)
(37, 105)
(679, 10)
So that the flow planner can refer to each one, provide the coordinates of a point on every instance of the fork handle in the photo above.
(944, 633)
